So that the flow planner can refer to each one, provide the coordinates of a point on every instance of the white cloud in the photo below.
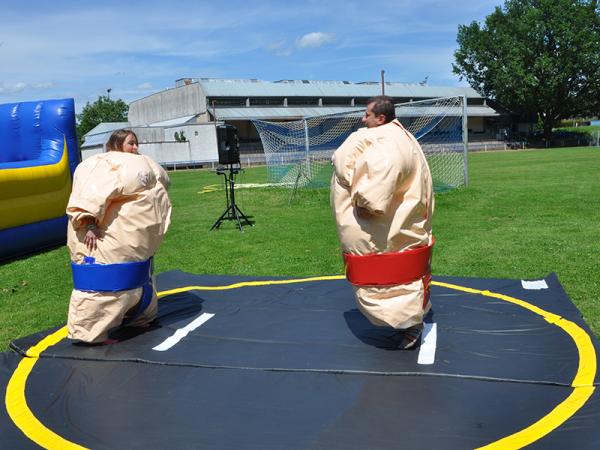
(12, 88)
(144, 86)
(275, 46)
(315, 39)
(285, 52)
(43, 85)
(280, 47)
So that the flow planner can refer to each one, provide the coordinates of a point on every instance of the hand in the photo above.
(91, 238)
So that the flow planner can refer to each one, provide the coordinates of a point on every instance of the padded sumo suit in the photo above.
(126, 194)
(383, 169)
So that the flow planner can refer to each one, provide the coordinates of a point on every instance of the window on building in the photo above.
(336, 101)
(266, 101)
(227, 101)
(303, 101)
(401, 100)
(361, 101)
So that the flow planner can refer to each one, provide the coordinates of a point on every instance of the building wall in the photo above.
(148, 134)
(178, 102)
(159, 143)
(167, 152)
(202, 139)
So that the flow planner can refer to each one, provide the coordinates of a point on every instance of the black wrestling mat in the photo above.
(270, 363)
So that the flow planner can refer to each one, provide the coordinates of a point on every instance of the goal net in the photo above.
(298, 153)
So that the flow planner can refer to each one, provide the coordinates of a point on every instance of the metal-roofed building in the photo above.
(94, 141)
(171, 142)
(238, 101)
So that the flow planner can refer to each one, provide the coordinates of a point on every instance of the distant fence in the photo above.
(496, 145)
(593, 141)
(258, 159)
(248, 160)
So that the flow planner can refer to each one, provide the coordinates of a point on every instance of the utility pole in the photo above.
(382, 82)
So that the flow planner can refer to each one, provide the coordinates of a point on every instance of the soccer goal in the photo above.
(298, 153)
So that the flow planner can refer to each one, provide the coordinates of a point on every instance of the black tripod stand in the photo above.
(232, 212)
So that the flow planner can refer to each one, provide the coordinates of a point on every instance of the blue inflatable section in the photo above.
(38, 155)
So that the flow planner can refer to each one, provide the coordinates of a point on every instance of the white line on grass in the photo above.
(428, 344)
(182, 332)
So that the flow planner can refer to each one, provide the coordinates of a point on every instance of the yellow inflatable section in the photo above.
(38, 155)
(33, 194)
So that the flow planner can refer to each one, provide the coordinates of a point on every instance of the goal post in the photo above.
(298, 153)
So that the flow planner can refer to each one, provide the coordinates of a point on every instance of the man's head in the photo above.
(380, 110)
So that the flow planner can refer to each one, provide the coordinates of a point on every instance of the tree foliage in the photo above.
(102, 110)
(535, 57)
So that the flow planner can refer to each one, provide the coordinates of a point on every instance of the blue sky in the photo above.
(80, 49)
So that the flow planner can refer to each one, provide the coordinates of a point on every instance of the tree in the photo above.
(535, 57)
(102, 110)
(180, 136)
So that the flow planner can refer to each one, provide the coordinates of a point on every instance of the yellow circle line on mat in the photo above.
(583, 383)
(16, 403)
(246, 284)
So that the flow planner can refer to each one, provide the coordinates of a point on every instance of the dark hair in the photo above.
(382, 104)
(115, 142)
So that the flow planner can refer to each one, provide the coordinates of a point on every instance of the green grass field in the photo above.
(525, 214)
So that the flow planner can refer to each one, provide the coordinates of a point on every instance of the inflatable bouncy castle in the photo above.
(38, 155)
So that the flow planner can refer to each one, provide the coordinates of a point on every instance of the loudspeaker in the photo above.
(228, 144)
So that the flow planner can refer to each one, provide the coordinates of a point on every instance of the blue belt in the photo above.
(90, 276)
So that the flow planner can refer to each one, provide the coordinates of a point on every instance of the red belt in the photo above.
(389, 268)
